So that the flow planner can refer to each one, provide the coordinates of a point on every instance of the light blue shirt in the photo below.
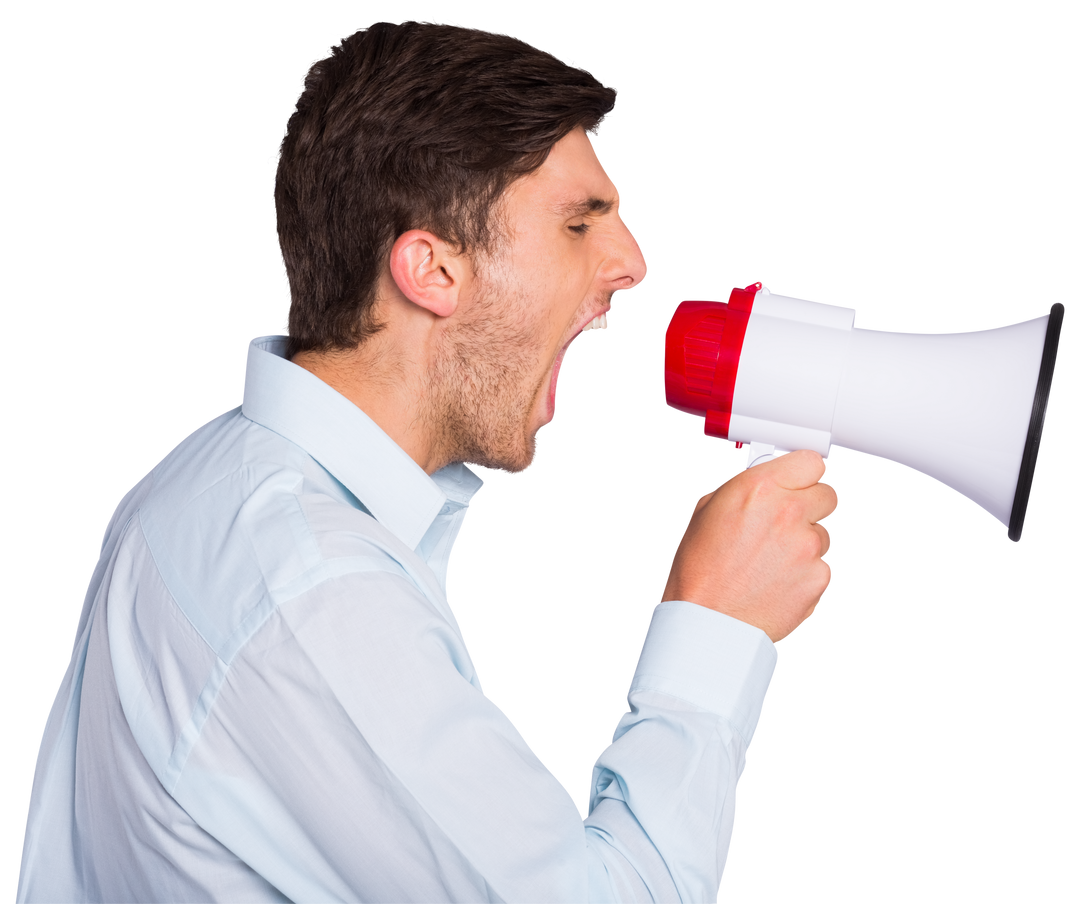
(269, 698)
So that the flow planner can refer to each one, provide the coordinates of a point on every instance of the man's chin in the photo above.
(511, 460)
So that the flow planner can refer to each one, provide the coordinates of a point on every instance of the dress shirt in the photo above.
(269, 698)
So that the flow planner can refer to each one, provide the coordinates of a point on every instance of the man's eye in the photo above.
(580, 228)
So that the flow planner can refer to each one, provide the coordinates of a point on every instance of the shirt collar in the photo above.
(297, 405)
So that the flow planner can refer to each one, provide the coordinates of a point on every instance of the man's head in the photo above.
(448, 231)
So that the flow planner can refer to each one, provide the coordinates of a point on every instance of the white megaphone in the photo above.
(782, 373)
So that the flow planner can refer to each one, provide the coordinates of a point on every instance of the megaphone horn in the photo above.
(784, 373)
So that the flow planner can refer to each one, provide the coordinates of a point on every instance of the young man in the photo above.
(269, 697)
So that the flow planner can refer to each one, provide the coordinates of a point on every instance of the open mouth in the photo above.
(599, 322)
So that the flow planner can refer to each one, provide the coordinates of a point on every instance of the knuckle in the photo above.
(826, 582)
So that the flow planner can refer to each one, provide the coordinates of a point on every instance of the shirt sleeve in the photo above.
(350, 755)
(663, 799)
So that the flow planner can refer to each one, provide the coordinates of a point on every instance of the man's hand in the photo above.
(753, 548)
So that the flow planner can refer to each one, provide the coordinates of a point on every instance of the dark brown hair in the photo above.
(410, 126)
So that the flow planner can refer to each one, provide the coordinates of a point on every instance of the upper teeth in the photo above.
(597, 323)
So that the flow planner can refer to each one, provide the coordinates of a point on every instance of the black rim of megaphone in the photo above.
(1035, 425)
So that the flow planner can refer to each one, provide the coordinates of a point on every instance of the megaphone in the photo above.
(782, 373)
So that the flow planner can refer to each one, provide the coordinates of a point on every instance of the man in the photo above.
(269, 697)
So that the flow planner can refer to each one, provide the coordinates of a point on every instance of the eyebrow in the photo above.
(589, 205)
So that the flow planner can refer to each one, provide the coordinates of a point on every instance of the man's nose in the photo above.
(626, 266)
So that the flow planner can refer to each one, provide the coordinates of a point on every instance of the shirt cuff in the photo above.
(708, 659)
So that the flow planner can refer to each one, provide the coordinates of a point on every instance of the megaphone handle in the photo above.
(762, 452)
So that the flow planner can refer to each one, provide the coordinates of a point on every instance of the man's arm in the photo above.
(351, 752)
(664, 793)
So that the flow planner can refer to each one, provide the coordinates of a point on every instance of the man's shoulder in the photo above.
(239, 477)
(238, 519)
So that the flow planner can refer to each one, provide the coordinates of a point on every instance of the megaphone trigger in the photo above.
(762, 452)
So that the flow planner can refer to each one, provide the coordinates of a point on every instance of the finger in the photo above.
(823, 535)
(819, 501)
(795, 470)
(801, 469)
(826, 540)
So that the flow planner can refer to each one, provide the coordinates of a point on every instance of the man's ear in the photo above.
(427, 271)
